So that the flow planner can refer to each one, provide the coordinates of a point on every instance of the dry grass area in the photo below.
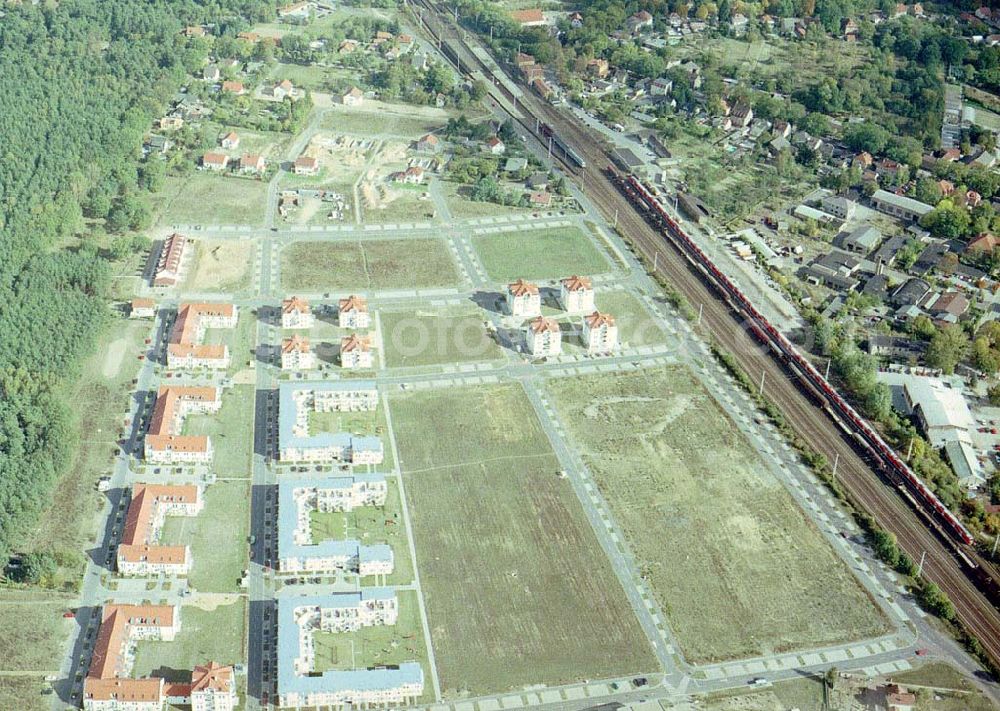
(510, 568)
(735, 564)
(220, 265)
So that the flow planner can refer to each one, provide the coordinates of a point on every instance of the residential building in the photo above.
(429, 143)
(214, 161)
(742, 115)
(598, 67)
(532, 17)
(295, 313)
(107, 686)
(296, 354)
(230, 141)
(252, 163)
(356, 352)
(213, 688)
(899, 206)
(495, 146)
(910, 293)
(600, 333)
(639, 22)
(298, 684)
(170, 260)
(576, 294)
(233, 87)
(164, 442)
(661, 86)
(839, 207)
(139, 552)
(543, 337)
(540, 199)
(280, 90)
(305, 165)
(142, 308)
(948, 307)
(523, 299)
(354, 97)
(185, 350)
(352, 312)
(984, 243)
(296, 11)
(296, 440)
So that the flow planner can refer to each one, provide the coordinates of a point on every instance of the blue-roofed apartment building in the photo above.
(299, 684)
(297, 444)
(299, 553)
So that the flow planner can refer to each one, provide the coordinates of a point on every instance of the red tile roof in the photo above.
(522, 288)
(577, 283)
(540, 324)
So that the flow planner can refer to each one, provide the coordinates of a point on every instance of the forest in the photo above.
(80, 82)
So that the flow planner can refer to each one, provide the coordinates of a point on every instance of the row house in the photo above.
(139, 552)
(164, 442)
(185, 350)
(170, 260)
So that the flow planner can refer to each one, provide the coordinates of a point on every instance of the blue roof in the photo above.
(287, 416)
(288, 521)
(334, 680)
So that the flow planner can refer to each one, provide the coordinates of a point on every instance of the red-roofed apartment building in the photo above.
(185, 349)
(138, 552)
(295, 313)
(164, 443)
(168, 265)
(353, 312)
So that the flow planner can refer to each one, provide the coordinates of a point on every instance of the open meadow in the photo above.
(435, 336)
(221, 265)
(543, 254)
(510, 568)
(370, 265)
(744, 572)
(205, 199)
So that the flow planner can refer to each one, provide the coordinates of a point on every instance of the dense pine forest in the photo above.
(80, 82)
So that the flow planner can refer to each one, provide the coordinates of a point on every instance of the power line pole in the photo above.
(761, 390)
(701, 307)
(836, 461)
(920, 568)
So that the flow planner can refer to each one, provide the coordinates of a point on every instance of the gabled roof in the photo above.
(294, 304)
(212, 676)
(353, 303)
(522, 288)
(295, 344)
(355, 342)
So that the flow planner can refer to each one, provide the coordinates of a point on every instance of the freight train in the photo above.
(854, 424)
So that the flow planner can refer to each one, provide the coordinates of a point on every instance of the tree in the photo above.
(35, 568)
(947, 220)
(928, 190)
(947, 348)
(866, 137)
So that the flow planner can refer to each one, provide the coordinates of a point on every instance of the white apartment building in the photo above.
(353, 312)
(296, 354)
(523, 300)
(576, 294)
(295, 313)
(600, 333)
(543, 337)
(356, 352)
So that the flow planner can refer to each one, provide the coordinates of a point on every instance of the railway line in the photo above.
(873, 494)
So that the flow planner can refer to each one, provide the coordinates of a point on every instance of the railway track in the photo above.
(879, 498)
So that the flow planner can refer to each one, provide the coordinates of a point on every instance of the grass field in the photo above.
(217, 536)
(220, 265)
(370, 525)
(376, 118)
(379, 645)
(461, 206)
(231, 430)
(510, 569)
(365, 423)
(37, 618)
(206, 635)
(636, 326)
(372, 265)
(745, 572)
(241, 341)
(406, 206)
(205, 199)
(312, 77)
(103, 389)
(435, 336)
(539, 254)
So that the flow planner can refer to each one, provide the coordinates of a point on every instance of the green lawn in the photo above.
(435, 336)
(231, 430)
(379, 645)
(376, 118)
(405, 206)
(38, 618)
(217, 536)
(241, 340)
(204, 198)
(362, 423)
(371, 525)
(539, 254)
(25, 693)
(636, 326)
(312, 77)
(462, 207)
(314, 267)
(744, 572)
(206, 635)
(510, 568)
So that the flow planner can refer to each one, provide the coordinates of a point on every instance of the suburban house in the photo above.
(429, 143)
(352, 312)
(639, 21)
(523, 299)
(233, 87)
(295, 313)
(742, 115)
(305, 165)
(899, 206)
(107, 686)
(356, 351)
(142, 308)
(252, 163)
(296, 440)
(576, 294)
(168, 264)
(280, 90)
(495, 146)
(600, 333)
(164, 443)
(983, 243)
(532, 17)
(139, 552)
(414, 175)
(948, 307)
(214, 161)
(543, 337)
(230, 141)
(185, 350)
(296, 11)
(354, 97)
(296, 354)
(298, 683)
